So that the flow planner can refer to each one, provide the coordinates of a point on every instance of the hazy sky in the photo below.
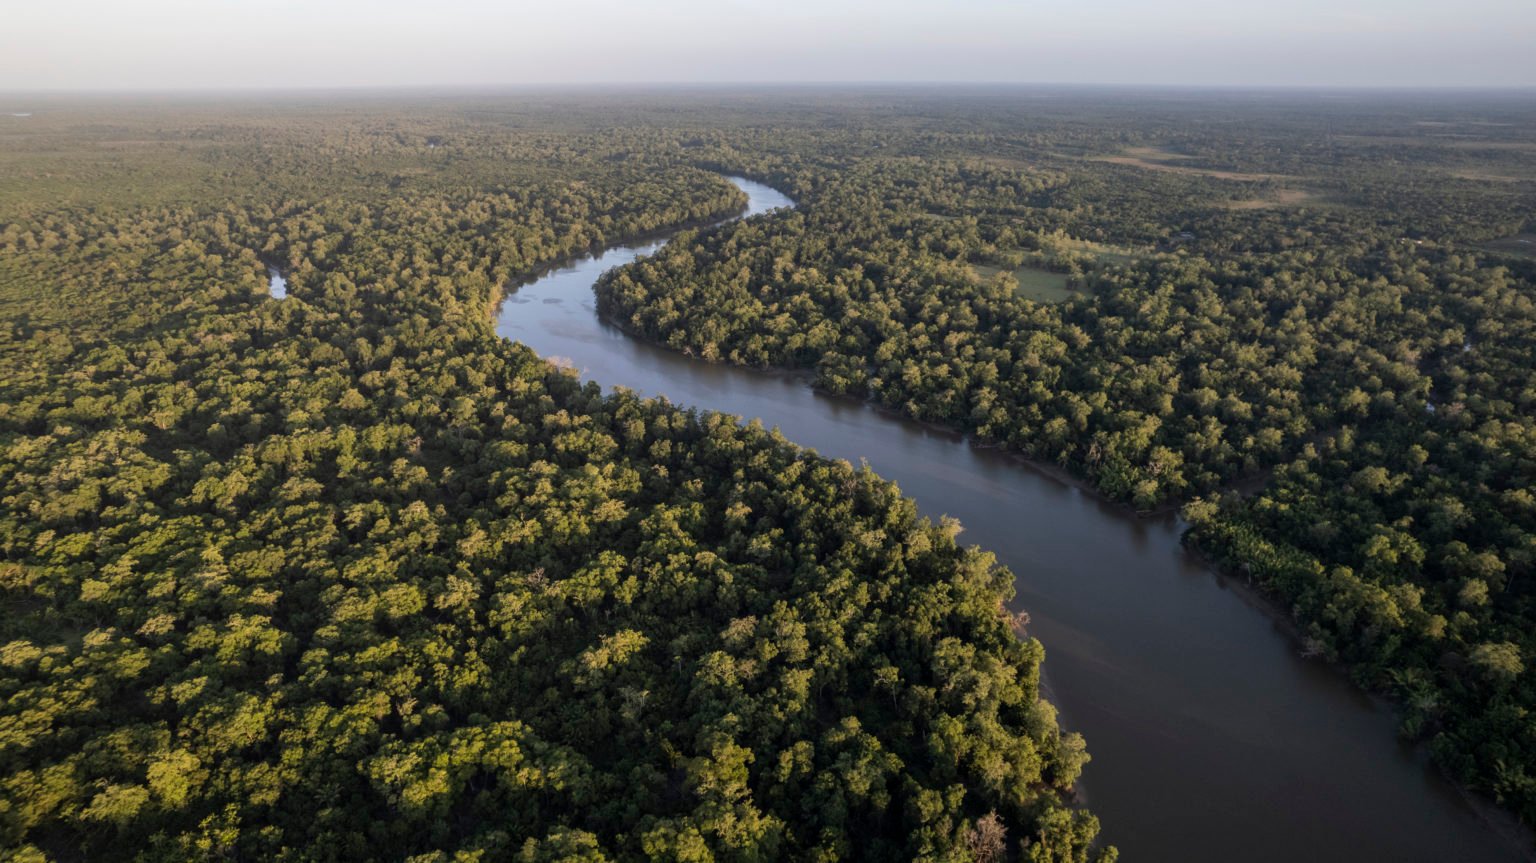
(130, 44)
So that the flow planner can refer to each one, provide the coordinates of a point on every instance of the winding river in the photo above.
(1212, 739)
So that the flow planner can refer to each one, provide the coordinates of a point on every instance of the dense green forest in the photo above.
(347, 577)
(1329, 306)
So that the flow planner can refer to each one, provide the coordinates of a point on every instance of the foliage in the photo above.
(345, 576)
(1303, 295)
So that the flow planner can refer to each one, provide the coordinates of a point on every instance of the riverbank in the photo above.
(1210, 735)
(506, 289)
(1270, 606)
(1498, 819)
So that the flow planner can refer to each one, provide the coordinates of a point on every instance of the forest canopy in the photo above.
(347, 577)
(1329, 306)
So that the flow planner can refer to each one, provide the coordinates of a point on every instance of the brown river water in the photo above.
(1212, 739)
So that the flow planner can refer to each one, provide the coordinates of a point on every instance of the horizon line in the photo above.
(302, 89)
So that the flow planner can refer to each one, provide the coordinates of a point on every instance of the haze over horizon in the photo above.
(240, 44)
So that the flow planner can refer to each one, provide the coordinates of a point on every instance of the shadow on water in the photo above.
(1212, 739)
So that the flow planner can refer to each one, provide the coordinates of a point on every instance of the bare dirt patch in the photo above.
(1159, 160)
(1279, 198)
(1517, 146)
(1485, 176)
(1154, 154)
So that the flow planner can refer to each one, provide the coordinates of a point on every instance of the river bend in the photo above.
(1212, 740)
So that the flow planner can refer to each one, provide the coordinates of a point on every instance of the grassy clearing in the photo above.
(1278, 198)
(1042, 286)
(1154, 159)
(1155, 154)
(1490, 177)
(1523, 245)
(1101, 253)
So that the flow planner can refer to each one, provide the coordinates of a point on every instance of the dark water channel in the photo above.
(1212, 739)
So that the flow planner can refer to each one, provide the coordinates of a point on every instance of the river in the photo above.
(277, 285)
(1212, 740)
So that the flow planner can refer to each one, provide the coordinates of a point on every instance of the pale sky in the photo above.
(215, 44)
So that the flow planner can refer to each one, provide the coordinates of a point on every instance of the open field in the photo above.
(1155, 154)
(1279, 198)
(1523, 245)
(1154, 159)
(1035, 283)
(1103, 253)
(1489, 177)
